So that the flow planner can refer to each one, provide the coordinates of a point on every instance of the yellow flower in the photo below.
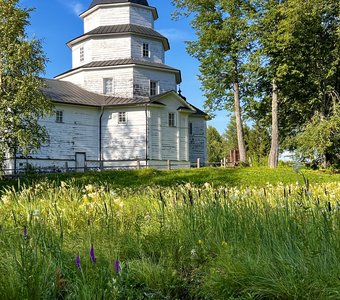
(200, 242)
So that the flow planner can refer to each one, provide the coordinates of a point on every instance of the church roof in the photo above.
(121, 29)
(68, 93)
(125, 62)
(98, 2)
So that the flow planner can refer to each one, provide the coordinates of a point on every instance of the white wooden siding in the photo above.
(111, 48)
(156, 49)
(124, 141)
(117, 15)
(198, 139)
(79, 132)
(77, 78)
(122, 84)
(169, 143)
(76, 54)
(141, 16)
(142, 77)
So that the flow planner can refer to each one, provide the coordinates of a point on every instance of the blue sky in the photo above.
(56, 22)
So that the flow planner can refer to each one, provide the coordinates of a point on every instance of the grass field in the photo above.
(259, 176)
(250, 233)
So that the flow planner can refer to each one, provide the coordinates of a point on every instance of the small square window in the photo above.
(146, 50)
(81, 53)
(59, 116)
(107, 85)
(171, 120)
(153, 88)
(122, 118)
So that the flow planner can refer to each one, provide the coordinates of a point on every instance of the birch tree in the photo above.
(21, 100)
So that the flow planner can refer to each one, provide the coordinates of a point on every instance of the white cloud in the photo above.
(75, 7)
(174, 34)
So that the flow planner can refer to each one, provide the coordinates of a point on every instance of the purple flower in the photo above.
(92, 256)
(78, 262)
(117, 266)
(26, 237)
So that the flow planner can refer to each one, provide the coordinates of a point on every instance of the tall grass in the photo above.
(183, 242)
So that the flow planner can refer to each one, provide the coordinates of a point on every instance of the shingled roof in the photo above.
(98, 2)
(120, 29)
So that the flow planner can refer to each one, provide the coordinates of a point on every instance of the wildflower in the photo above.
(78, 262)
(26, 237)
(117, 266)
(193, 252)
(200, 242)
(92, 256)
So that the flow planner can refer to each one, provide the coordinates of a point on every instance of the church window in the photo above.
(107, 86)
(81, 53)
(146, 50)
(122, 117)
(172, 120)
(153, 88)
(190, 128)
(59, 116)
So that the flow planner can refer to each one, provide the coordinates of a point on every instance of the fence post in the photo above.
(224, 162)
(138, 164)
(198, 163)
(221, 163)
(169, 165)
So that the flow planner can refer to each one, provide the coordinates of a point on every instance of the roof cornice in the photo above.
(92, 9)
(124, 29)
(122, 63)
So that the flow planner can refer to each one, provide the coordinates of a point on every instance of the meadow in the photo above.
(248, 233)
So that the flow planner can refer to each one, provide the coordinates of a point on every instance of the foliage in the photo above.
(181, 242)
(21, 100)
(257, 141)
(216, 145)
(319, 142)
(225, 38)
(299, 49)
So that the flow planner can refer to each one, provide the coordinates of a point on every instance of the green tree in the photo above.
(257, 141)
(230, 135)
(319, 142)
(216, 145)
(299, 44)
(21, 100)
(224, 42)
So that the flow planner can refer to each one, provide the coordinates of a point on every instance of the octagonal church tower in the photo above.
(120, 53)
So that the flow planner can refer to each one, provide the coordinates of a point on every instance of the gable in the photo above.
(174, 102)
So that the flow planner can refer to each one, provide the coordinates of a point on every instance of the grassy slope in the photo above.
(257, 176)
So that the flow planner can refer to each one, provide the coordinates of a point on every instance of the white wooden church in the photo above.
(118, 106)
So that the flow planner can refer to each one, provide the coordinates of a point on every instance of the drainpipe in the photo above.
(100, 139)
(146, 134)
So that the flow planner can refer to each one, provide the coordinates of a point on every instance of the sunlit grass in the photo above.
(188, 241)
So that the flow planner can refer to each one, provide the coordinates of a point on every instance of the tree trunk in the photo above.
(274, 149)
(239, 125)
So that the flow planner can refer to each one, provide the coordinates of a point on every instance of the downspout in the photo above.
(15, 161)
(100, 139)
(146, 135)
